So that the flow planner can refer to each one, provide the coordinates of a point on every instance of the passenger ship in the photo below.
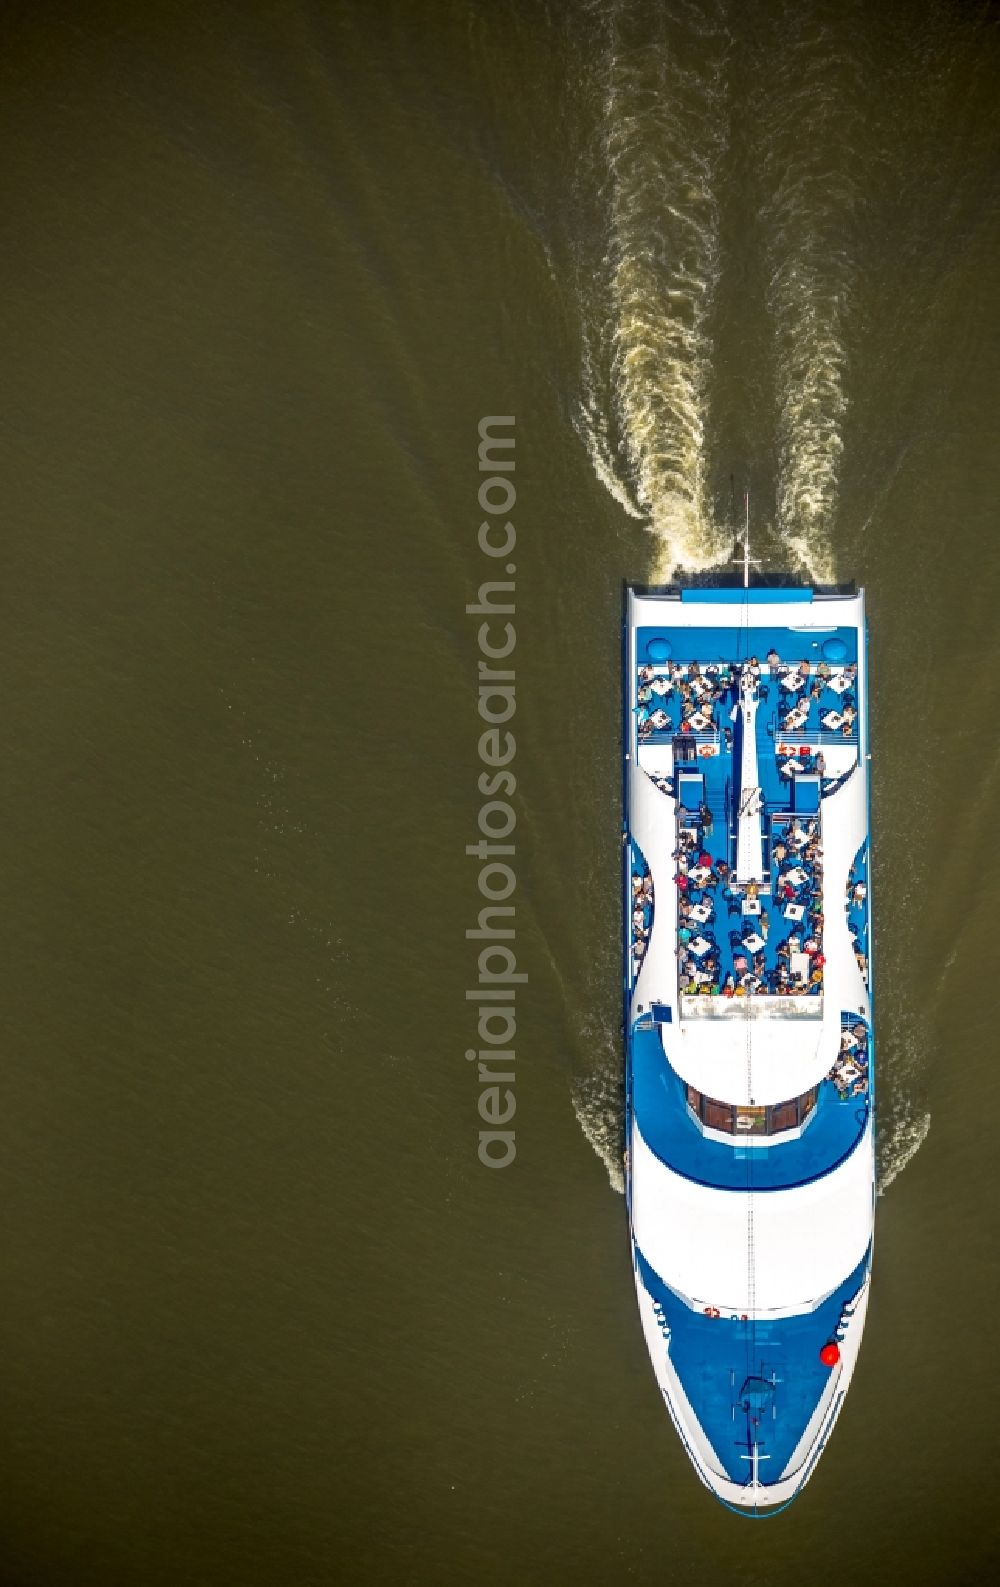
(749, 1057)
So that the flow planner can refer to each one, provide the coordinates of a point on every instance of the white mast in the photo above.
(747, 560)
(749, 837)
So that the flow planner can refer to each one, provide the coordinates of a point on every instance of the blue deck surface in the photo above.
(715, 1357)
(660, 1109)
(728, 926)
(769, 717)
(756, 596)
(739, 643)
(714, 780)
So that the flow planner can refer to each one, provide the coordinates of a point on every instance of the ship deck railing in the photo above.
(673, 735)
(814, 737)
(760, 1005)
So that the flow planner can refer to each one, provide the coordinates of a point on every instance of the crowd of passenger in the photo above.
(850, 1072)
(797, 889)
(642, 911)
(774, 945)
(801, 685)
(699, 878)
(683, 697)
(800, 760)
(794, 966)
(857, 912)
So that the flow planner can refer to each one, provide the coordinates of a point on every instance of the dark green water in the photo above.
(266, 1319)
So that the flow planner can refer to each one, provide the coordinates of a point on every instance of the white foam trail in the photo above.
(663, 134)
(812, 408)
(906, 1136)
(902, 1118)
(599, 1108)
(902, 1135)
(591, 426)
(810, 167)
(646, 365)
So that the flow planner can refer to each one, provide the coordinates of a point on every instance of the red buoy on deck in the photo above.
(829, 1355)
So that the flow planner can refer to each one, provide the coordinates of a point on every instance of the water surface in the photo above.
(267, 1319)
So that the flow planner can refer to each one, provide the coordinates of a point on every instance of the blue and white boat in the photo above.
(750, 1164)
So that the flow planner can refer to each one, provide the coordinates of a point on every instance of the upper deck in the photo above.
(747, 817)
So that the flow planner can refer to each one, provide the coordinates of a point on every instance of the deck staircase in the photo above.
(719, 801)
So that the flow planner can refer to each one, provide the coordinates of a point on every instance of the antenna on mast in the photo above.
(747, 560)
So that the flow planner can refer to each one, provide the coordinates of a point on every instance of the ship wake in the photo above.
(810, 168)
(647, 290)
(647, 348)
